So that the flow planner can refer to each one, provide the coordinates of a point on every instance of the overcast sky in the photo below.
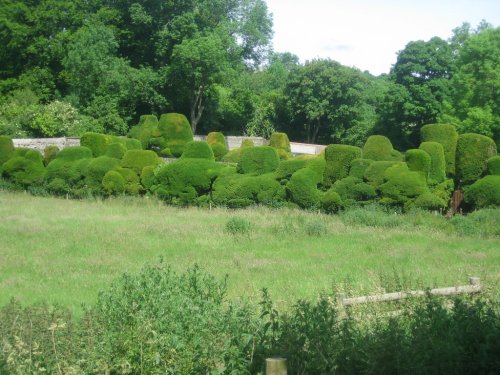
(368, 34)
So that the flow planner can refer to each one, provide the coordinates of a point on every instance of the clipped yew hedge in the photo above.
(473, 152)
(447, 136)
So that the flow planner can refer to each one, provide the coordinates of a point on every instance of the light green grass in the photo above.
(65, 251)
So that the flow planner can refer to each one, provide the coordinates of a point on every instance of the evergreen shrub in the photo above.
(473, 152)
(352, 189)
(375, 172)
(6, 148)
(233, 156)
(379, 148)
(24, 171)
(258, 160)
(418, 161)
(198, 150)
(331, 201)
(148, 178)
(447, 136)
(144, 131)
(358, 167)
(217, 142)
(97, 168)
(302, 188)
(113, 183)
(437, 172)
(176, 132)
(288, 167)
(494, 165)
(338, 162)
(116, 150)
(74, 153)
(484, 192)
(138, 159)
(429, 201)
(49, 154)
(132, 180)
(402, 186)
(281, 142)
(96, 142)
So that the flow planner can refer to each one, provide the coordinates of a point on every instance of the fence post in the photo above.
(276, 366)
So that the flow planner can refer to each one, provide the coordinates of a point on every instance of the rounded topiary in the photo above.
(494, 165)
(473, 152)
(402, 186)
(6, 148)
(74, 153)
(198, 150)
(49, 153)
(331, 201)
(358, 167)
(378, 148)
(217, 142)
(447, 136)
(429, 201)
(353, 189)
(138, 159)
(302, 189)
(247, 142)
(24, 171)
(132, 181)
(113, 183)
(418, 161)
(116, 150)
(219, 151)
(281, 142)
(484, 192)
(437, 172)
(133, 144)
(97, 168)
(175, 129)
(233, 156)
(338, 162)
(288, 167)
(144, 131)
(96, 142)
(148, 178)
(258, 160)
(375, 172)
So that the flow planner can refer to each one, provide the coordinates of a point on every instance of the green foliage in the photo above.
(480, 223)
(138, 159)
(74, 153)
(493, 164)
(258, 160)
(419, 161)
(116, 150)
(473, 152)
(96, 142)
(429, 201)
(302, 189)
(378, 148)
(131, 143)
(97, 169)
(6, 148)
(331, 202)
(289, 167)
(338, 162)
(281, 142)
(233, 156)
(359, 167)
(352, 189)
(217, 142)
(375, 172)
(49, 153)
(484, 192)
(238, 225)
(175, 132)
(145, 130)
(24, 170)
(447, 136)
(148, 178)
(132, 181)
(198, 150)
(401, 186)
(437, 172)
(113, 183)
(247, 142)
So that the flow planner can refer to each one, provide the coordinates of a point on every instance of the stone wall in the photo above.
(40, 143)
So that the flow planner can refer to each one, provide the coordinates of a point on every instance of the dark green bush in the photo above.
(338, 162)
(447, 136)
(116, 150)
(175, 130)
(437, 172)
(6, 148)
(494, 165)
(359, 167)
(419, 161)
(258, 160)
(331, 201)
(473, 152)
(484, 192)
(379, 148)
(24, 171)
(217, 142)
(144, 131)
(96, 142)
(281, 142)
(198, 150)
(49, 154)
(113, 183)
(375, 172)
(302, 189)
(74, 153)
(138, 159)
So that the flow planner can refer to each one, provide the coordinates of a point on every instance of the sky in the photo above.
(368, 34)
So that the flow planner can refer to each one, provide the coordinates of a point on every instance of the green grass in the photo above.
(65, 251)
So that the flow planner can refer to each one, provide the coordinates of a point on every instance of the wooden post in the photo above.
(276, 366)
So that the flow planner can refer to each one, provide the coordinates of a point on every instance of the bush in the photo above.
(378, 148)
(113, 183)
(447, 136)
(138, 159)
(302, 188)
(74, 153)
(480, 223)
(473, 152)
(419, 161)
(97, 169)
(375, 172)
(494, 165)
(6, 148)
(144, 131)
(175, 131)
(359, 167)
(352, 189)
(338, 162)
(198, 150)
(233, 156)
(331, 201)
(281, 142)
(132, 181)
(116, 150)
(402, 186)
(238, 225)
(217, 143)
(96, 142)
(258, 160)
(24, 171)
(437, 172)
(288, 167)
(484, 192)
(148, 178)
(49, 153)
(429, 201)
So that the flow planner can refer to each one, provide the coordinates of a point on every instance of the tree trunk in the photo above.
(197, 108)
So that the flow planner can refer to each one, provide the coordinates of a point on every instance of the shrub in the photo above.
(144, 131)
(258, 160)
(113, 183)
(198, 150)
(444, 190)
(176, 132)
(375, 172)
(74, 153)
(352, 189)
(302, 188)
(429, 201)
(358, 167)
(378, 148)
(97, 169)
(483, 223)
(473, 152)
(24, 171)
(132, 144)
(217, 143)
(6, 148)
(233, 156)
(338, 161)
(494, 165)
(116, 150)
(238, 225)
(402, 186)
(49, 153)
(138, 159)
(219, 151)
(281, 142)
(96, 142)
(419, 161)
(288, 167)
(132, 181)
(437, 172)
(148, 178)
(331, 201)
(484, 192)
(447, 136)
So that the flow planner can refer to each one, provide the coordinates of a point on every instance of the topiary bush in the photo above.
(302, 189)
(6, 148)
(116, 150)
(74, 153)
(113, 183)
(473, 152)
(148, 178)
(331, 202)
(144, 131)
(96, 142)
(494, 165)
(419, 161)
(198, 150)
(484, 192)
(97, 169)
(447, 136)
(175, 131)
(428, 201)
(379, 148)
(132, 181)
(359, 167)
(49, 154)
(288, 167)
(375, 172)
(233, 156)
(258, 160)
(24, 171)
(138, 159)
(217, 142)
(401, 186)
(338, 162)
(352, 189)
(281, 142)
(437, 171)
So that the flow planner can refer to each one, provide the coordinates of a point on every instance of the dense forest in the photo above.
(69, 67)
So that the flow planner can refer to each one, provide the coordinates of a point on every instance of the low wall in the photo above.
(40, 143)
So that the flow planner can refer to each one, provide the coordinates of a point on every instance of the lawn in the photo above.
(65, 251)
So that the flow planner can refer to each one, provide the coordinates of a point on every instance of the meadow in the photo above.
(65, 251)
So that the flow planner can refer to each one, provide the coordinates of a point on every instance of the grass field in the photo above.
(65, 251)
